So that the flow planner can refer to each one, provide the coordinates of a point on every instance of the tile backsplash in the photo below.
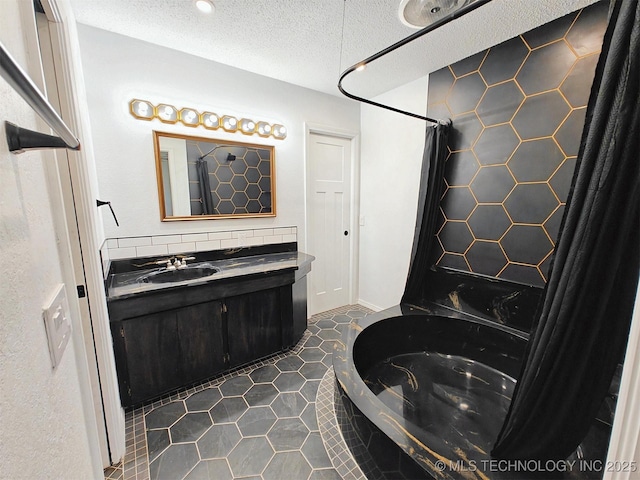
(152, 245)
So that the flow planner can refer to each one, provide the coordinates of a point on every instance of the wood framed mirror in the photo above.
(207, 178)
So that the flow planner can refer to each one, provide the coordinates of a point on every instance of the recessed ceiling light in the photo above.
(205, 6)
(420, 13)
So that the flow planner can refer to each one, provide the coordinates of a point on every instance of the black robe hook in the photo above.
(101, 203)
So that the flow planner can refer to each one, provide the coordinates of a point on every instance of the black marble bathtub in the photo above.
(422, 393)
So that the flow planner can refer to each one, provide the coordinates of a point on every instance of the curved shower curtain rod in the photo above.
(429, 28)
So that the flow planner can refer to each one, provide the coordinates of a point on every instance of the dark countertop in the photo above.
(125, 284)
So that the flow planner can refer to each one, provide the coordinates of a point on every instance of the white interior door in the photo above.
(329, 217)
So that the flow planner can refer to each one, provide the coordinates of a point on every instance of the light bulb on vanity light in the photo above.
(210, 120)
(189, 117)
(141, 109)
(167, 113)
(229, 123)
(279, 131)
(264, 129)
(247, 126)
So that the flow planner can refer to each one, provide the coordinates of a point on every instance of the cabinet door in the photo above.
(254, 325)
(200, 336)
(168, 350)
(152, 355)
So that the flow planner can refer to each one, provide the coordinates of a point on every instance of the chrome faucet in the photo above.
(174, 263)
(182, 262)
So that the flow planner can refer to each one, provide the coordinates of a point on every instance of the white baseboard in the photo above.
(370, 306)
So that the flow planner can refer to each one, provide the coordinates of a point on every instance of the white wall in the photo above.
(391, 156)
(45, 433)
(118, 68)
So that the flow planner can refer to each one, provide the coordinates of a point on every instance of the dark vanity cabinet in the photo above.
(161, 351)
(171, 338)
(255, 327)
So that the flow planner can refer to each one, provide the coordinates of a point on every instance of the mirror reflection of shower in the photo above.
(201, 177)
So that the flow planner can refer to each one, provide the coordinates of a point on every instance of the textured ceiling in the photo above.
(303, 42)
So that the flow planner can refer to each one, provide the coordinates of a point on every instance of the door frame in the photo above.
(86, 224)
(354, 240)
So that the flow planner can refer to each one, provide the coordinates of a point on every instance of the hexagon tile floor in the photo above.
(255, 423)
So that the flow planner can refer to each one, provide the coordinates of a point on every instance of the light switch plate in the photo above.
(57, 324)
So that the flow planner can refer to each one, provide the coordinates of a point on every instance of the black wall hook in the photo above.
(101, 203)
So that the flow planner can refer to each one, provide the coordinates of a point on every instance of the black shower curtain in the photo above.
(433, 160)
(586, 312)
(205, 187)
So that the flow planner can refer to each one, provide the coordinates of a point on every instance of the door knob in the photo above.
(346, 232)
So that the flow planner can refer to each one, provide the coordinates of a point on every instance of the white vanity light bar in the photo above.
(145, 110)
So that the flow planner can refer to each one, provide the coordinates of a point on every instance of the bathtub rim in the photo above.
(406, 436)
